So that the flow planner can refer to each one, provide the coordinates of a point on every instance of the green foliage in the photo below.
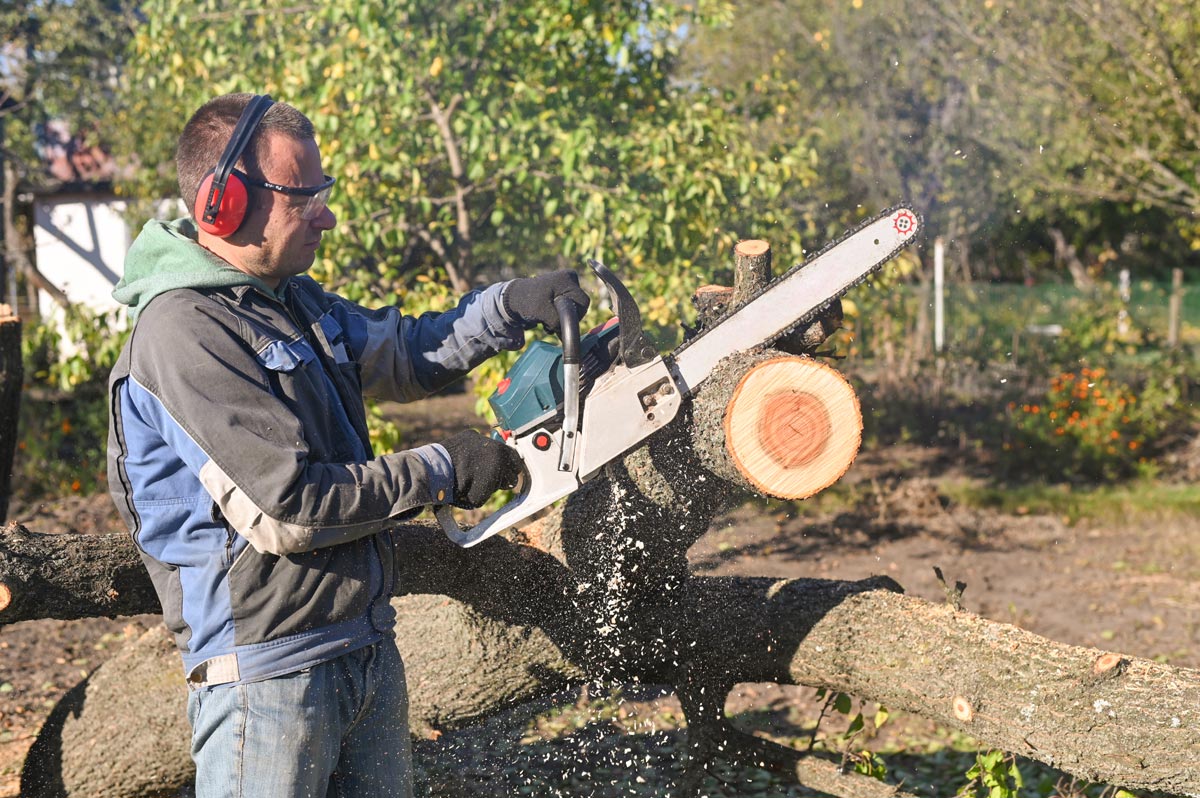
(998, 120)
(861, 759)
(1101, 503)
(61, 448)
(995, 774)
(64, 412)
(477, 140)
(79, 354)
(52, 57)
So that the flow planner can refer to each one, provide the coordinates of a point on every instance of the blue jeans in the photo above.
(337, 729)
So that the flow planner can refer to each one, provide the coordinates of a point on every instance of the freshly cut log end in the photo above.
(752, 248)
(793, 427)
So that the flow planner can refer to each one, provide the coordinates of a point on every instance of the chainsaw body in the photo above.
(570, 410)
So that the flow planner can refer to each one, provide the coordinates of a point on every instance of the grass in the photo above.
(1073, 503)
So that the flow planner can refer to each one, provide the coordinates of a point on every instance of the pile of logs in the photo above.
(601, 590)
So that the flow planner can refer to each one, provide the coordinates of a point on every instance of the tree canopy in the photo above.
(481, 139)
(999, 119)
(58, 60)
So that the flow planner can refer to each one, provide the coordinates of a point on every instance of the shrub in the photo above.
(63, 432)
(1087, 426)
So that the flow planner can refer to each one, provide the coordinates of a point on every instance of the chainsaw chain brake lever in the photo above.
(636, 348)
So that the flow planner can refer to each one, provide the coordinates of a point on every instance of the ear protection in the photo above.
(222, 199)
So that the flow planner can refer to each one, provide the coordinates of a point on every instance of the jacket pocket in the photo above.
(286, 355)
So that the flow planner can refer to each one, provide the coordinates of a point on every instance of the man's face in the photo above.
(275, 241)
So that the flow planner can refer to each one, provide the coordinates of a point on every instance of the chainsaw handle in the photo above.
(568, 327)
(456, 532)
(568, 331)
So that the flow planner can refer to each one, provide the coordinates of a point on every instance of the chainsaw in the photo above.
(570, 410)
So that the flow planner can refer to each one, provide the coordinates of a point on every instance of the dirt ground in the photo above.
(1131, 585)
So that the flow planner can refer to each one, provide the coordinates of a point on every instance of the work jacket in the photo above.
(239, 457)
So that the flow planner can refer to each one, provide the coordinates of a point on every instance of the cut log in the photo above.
(793, 426)
(751, 270)
(72, 576)
(122, 732)
(1132, 725)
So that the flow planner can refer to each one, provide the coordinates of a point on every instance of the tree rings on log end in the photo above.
(752, 248)
(5, 596)
(793, 427)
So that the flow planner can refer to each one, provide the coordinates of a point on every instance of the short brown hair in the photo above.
(207, 133)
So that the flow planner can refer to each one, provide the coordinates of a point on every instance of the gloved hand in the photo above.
(531, 299)
(482, 466)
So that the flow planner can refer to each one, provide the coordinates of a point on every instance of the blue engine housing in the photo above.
(532, 391)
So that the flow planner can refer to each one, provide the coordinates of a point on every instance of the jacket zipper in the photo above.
(219, 518)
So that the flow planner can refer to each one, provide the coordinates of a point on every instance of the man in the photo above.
(239, 457)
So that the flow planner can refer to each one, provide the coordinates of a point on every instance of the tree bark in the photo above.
(12, 377)
(70, 576)
(1099, 716)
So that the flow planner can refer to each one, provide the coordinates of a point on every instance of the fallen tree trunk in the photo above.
(1118, 720)
(608, 595)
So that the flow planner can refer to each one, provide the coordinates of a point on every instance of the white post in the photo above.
(1124, 288)
(939, 286)
(1175, 307)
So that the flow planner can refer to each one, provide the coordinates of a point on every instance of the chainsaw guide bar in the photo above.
(799, 296)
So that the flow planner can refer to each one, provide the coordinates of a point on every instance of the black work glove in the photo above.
(482, 466)
(531, 299)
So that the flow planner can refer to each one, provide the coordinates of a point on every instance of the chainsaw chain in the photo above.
(808, 318)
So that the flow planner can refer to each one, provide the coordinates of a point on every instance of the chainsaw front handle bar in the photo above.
(568, 326)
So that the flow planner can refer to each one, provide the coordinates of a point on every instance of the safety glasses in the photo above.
(318, 196)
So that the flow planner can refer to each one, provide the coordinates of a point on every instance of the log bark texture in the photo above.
(1099, 716)
(76, 576)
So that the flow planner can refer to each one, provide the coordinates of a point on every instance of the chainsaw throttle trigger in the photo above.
(636, 348)
(568, 325)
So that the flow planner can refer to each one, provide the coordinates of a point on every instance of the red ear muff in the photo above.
(230, 210)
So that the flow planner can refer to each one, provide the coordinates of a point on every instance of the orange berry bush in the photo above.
(1087, 426)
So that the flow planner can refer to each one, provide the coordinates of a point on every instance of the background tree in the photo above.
(480, 139)
(1018, 127)
(58, 62)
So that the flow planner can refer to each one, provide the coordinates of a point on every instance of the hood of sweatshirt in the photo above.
(166, 256)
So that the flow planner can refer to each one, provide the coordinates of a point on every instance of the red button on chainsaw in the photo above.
(503, 386)
(541, 441)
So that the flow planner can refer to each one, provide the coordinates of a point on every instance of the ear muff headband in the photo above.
(222, 194)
